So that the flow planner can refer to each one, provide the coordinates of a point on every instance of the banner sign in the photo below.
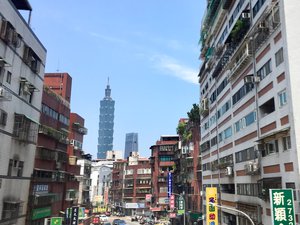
(172, 202)
(74, 215)
(282, 207)
(169, 184)
(211, 211)
(56, 221)
(181, 205)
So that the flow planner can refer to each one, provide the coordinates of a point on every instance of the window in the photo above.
(286, 143)
(11, 209)
(247, 189)
(279, 57)
(244, 122)
(227, 132)
(8, 77)
(257, 7)
(265, 70)
(165, 158)
(3, 117)
(282, 98)
(245, 155)
(163, 189)
(270, 148)
(243, 91)
(267, 108)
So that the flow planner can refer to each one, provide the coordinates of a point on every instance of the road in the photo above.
(126, 218)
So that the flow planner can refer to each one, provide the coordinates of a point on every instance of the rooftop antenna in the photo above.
(57, 70)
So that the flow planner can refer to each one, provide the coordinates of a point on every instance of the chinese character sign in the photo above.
(282, 207)
(74, 215)
(169, 184)
(211, 210)
(172, 202)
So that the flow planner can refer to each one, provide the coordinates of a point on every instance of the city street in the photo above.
(127, 219)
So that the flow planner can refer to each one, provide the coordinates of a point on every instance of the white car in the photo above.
(103, 218)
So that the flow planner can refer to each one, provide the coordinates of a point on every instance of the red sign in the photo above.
(172, 215)
(96, 220)
(148, 197)
(172, 202)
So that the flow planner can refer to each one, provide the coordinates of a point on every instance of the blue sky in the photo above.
(148, 49)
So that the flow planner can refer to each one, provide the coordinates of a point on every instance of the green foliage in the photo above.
(194, 114)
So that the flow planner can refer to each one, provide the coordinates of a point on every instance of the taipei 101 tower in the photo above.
(106, 124)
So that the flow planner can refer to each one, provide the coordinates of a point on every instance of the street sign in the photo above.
(172, 215)
(181, 205)
(169, 184)
(172, 202)
(56, 221)
(74, 215)
(282, 207)
(211, 210)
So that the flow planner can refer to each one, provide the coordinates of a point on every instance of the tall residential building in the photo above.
(162, 166)
(131, 144)
(106, 124)
(22, 64)
(249, 88)
(131, 182)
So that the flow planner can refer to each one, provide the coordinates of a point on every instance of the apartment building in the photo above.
(51, 160)
(131, 182)
(248, 80)
(22, 63)
(162, 163)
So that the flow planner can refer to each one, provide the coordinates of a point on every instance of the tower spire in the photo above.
(107, 90)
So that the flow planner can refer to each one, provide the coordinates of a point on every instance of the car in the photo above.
(119, 222)
(103, 218)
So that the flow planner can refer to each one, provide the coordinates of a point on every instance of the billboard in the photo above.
(211, 210)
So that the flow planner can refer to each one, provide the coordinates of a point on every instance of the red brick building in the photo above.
(54, 186)
(131, 182)
(162, 162)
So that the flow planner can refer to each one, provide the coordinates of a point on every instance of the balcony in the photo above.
(226, 4)
(57, 135)
(240, 59)
(79, 128)
(25, 129)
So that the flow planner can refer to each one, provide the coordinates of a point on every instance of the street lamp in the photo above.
(181, 195)
(233, 209)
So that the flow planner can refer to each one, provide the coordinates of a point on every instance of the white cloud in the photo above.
(107, 38)
(174, 68)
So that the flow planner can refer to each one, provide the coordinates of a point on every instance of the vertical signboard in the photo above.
(74, 215)
(169, 184)
(181, 205)
(211, 210)
(282, 207)
(172, 202)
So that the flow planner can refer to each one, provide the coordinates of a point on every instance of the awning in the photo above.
(45, 194)
(274, 133)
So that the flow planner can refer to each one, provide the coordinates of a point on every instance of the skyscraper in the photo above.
(131, 144)
(106, 124)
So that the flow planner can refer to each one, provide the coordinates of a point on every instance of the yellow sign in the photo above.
(211, 210)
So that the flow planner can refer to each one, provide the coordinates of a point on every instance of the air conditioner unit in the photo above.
(229, 171)
(248, 79)
(256, 79)
(204, 104)
(58, 165)
(261, 25)
(72, 142)
(245, 15)
(2, 92)
(26, 89)
(252, 168)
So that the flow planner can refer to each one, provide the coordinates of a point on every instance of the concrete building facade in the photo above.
(249, 86)
(22, 63)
